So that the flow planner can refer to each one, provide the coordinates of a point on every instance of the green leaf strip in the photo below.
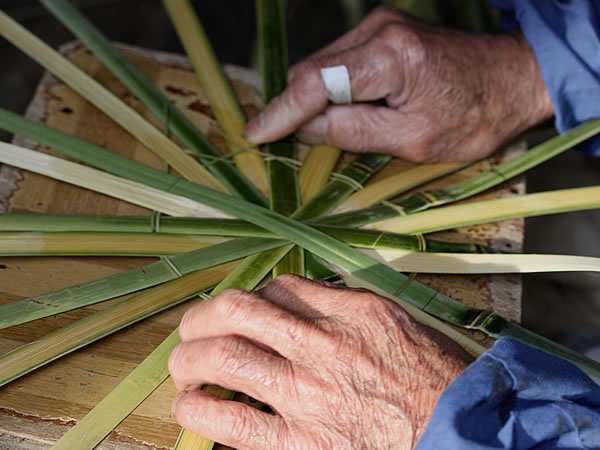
(472, 186)
(102, 289)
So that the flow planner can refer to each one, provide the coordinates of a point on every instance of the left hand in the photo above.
(420, 92)
(342, 368)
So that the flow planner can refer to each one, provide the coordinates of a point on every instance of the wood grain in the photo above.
(38, 408)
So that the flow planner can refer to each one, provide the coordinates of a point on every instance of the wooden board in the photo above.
(37, 409)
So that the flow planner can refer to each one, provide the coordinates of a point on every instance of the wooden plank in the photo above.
(38, 408)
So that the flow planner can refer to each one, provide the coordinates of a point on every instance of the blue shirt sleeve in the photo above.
(515, 396)
(565, 37)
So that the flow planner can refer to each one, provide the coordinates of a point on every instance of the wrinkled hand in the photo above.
(342, 368)
(420, 92)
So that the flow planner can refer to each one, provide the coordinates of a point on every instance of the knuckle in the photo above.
(305, 68)
(423, 152)
(289, 281)
(306, 80)
(388, 313)
(352, 134)
(373, 306)
(402, 42)
(187, 323)
(301, 333)
(381, 308)
(175, 361)
(367, 302)
(328, 337)
(288, 278)
(190, 411)
(189, 403)
(381, 13)
(291, 73)
(232, 304)
(223, 354)
(391, 33)
(302, 69)
(242, 427)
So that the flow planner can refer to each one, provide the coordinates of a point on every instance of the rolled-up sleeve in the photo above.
(565, 37)
(515, 396)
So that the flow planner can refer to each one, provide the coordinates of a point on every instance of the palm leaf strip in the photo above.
(469, 263)
(474, 185)
(359, 239)
(396, 184)
(551, 202)
(106, 288)
(96, 156)
(123, 399)
(316, 168)
(106, 101)
(216, 87)
(101, 244)
(114, 186)
(87, 243)
(139, 84)
(284, 191)
(349, 179)
(33, 355)
(448, 217)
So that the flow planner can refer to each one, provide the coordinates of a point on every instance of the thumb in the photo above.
(357, 128)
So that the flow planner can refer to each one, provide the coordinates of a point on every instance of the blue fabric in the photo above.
(565, 37)
(515, 396)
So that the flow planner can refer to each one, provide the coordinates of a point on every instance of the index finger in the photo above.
(306, 96)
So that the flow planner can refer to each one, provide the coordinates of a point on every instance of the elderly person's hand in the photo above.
(420, 92)
(341, 368)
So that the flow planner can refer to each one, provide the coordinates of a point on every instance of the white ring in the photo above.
(337, 83)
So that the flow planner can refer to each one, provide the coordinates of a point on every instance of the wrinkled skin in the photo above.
(420, 92)
(342, 368)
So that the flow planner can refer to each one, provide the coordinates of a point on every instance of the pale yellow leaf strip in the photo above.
(469, 263)
(65, 243)
(222, 100)
(316, 169)
(395, 184)
(444, 218)
(105, 183)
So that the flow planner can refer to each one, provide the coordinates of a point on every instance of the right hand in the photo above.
(342, 368)
(422, 93)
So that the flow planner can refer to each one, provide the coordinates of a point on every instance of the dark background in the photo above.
(565, 307)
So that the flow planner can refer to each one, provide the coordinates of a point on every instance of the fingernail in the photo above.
(251, 133)
(176, 401)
